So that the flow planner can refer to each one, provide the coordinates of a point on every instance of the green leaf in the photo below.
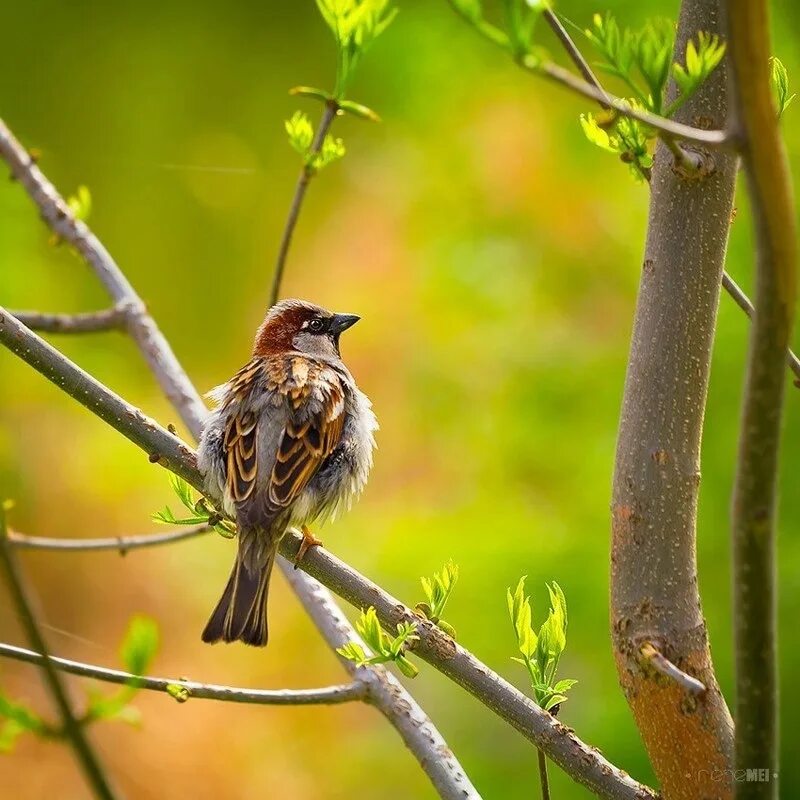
(564, 685)
(780, 84)
(701, 60)
(470, 9)
(310, 91)
(354, 652)
(406, 667)
(300, 132)
(359, 110)
(10, 731)
(554, 700)
(332, 150)
(595, 134)
(139, 644)
(22, 717)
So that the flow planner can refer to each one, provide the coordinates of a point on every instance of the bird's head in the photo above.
(301, 326)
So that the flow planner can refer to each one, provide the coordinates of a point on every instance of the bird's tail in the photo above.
(241, 614)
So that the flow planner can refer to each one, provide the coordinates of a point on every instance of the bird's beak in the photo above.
(341, 322)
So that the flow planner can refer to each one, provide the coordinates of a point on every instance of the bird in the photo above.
(290, 442)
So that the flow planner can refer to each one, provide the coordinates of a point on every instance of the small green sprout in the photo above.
(780, 83)
(541, 652)
(355, 25)
(201, 513)
(626, 137)
(382, 644)
(701, 60)
(437, 592)
(80, 203)
(179, 692)
(301, 138)
(18, 719)
(138, 648)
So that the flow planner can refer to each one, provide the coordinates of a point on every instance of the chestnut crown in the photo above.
(296, 325)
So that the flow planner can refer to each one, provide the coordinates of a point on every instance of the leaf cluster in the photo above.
(301, 138)
(355, 25)
(386, 648)
(201, 514)
(541, 652)
(643, 60)
(437, 592)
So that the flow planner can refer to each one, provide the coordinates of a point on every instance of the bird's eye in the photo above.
(315, 326)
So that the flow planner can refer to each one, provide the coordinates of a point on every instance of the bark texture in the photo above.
(654, 593)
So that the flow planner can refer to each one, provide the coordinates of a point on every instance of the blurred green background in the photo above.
(493, 254)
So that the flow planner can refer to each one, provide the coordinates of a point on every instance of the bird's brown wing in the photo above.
(307, 440)
(315, 398)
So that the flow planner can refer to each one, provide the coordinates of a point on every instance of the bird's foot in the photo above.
(309, 541)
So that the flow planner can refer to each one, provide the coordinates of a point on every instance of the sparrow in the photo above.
(290, 442)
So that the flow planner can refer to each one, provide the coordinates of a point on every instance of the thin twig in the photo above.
(87, 758)
(580, 761)
(328, 695)
(544, 780)
(557, 74)
(575, 54)
(743, 301)
(665, 667)
(328, 115)
(122, 544)
(108, 319)
(755, 506)
(445, 773)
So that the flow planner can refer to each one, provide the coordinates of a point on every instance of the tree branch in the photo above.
(665, 667)
(692, 163)
(328, 115)
(87, 758)
(561, 76)
(654, 585)
(329, 695)
(122, 544)
(106, 320)
(755, 487)
(444, 772)
(579, 760)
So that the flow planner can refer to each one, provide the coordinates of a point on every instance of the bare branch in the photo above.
(328, 115)
(92, 322)
(328, 695)
(120, 543)
(665, 667)
(58, 216)
(87, 758)
(579, 760)
(755, 486)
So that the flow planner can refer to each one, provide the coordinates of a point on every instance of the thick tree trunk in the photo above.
(654, 593)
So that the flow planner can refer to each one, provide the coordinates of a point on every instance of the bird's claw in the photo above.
(309, 541)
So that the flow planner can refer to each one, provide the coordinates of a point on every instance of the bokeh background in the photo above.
(493, 254)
